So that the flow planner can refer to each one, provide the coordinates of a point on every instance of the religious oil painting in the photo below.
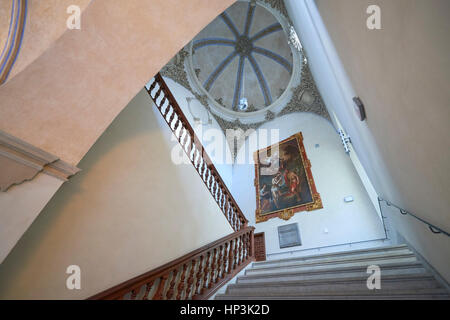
(283, 180)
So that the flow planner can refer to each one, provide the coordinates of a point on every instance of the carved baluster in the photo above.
(148, 287)
(245, 256)
(197, 159)
(221, 197)
(168, 112)
(219, 265)
(158, 93)
(231, 257)
(204, 170)
(190, 279)
(222, 261)
(183, 137)
(192, 155)
(244, 248)
(226, 259)
(160, 290)
(234, 223)
(241, 253)
(172, 284)
(179, 129)
(211, 183)
(134, 293)
(227, 207)
(172, 117)
(222, 200)
(213, 268)
(163, 100)
(181, 284)
(213, 187)
(238, 251)
(187, 146)
(199, 276)
(206, 270)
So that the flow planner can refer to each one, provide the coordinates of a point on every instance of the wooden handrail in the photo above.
(200, 273)
(180, 126)
(196, 275)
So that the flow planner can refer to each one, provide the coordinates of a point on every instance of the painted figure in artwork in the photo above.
(288, 186)
(265, 196)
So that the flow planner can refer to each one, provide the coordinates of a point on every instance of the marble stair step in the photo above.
(333, 273)
(288, 288)
(336, 255)
(365, 261)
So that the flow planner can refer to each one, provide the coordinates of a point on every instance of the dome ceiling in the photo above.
(243, 53)
(214, 57)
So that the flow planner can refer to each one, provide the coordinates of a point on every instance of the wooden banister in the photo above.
(200, 273)
(196, 275)
(180, 126)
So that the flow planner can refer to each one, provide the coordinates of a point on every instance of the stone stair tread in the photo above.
(331, 269)
(350, 293)
(326, 275)
(340, 275)
(363, 292)
(340, 253)
(336, 261)
(312, 282)
(356, 296)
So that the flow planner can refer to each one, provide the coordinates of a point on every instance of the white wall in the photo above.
(335, 178)
(211, 135)
(128, 211)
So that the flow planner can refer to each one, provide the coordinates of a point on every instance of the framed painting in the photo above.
(283, 180)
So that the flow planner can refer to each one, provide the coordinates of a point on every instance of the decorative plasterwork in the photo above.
(279, 6)
(9, 53)
(20, 161)
(304, 97)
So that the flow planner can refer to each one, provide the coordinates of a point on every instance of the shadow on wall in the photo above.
(128, 200)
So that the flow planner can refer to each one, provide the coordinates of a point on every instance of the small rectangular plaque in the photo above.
(289, 235)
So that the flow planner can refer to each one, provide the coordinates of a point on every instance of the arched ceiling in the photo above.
(65, 98)
(244, 52)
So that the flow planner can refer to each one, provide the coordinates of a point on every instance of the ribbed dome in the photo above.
(243, 53)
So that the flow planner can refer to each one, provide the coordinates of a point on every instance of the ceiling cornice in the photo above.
(21, 161)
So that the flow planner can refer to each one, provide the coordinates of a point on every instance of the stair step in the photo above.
(369, 251)
(334, 273)
(379, 260)
(328, 260)
(288, 288)
(421, 294)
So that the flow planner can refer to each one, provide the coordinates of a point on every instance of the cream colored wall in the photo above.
(402, 74)
(20, 205)
(128, 211)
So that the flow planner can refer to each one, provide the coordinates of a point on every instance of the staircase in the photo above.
(341, 275)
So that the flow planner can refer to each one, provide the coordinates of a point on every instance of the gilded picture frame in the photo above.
(283, 180)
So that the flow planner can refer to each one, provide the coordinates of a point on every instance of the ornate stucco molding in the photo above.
(21, 161)
(303, 96)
